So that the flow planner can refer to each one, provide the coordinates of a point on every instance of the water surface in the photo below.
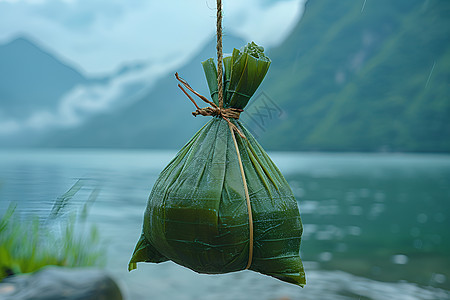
(376, 225)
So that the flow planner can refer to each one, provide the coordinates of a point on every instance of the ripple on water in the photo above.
(355, 210)
(325, 256)
(422, 218)
(439, 278)
(399, 259)
(309, 207)
(329, 232)
(376, 210)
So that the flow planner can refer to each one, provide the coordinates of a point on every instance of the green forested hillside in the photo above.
(350, 77)
(375, 79)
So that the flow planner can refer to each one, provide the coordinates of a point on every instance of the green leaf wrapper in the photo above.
(197, 215)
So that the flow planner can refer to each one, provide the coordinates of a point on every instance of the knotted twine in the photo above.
(226, 114)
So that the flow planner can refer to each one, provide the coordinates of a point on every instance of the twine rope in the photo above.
(220, 98)
(226, 114)
(219, 53)
(249, 205)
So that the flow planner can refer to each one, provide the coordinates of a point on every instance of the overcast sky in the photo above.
(100, 35)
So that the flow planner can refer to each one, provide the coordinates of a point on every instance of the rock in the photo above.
(56, 283)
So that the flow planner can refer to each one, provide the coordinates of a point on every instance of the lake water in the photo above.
(376, 225)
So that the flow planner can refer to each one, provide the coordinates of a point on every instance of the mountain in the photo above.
(160, 118)
(354, 78)
(32, 79)
(41, 95)
(351, 76)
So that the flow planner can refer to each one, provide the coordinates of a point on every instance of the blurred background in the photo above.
(355, 111)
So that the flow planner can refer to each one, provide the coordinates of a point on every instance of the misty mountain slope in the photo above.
(159, 119)
(32, 79)
(357, 81)
(346, 79)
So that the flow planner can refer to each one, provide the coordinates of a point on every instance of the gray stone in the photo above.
(56, 283)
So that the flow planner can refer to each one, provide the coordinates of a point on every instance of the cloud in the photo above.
(100, 35)
(84, 101)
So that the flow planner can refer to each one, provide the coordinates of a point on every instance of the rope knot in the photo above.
(207, 111)
(233, 113)
(213, 110)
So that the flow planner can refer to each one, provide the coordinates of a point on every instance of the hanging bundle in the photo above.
(221, 205)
